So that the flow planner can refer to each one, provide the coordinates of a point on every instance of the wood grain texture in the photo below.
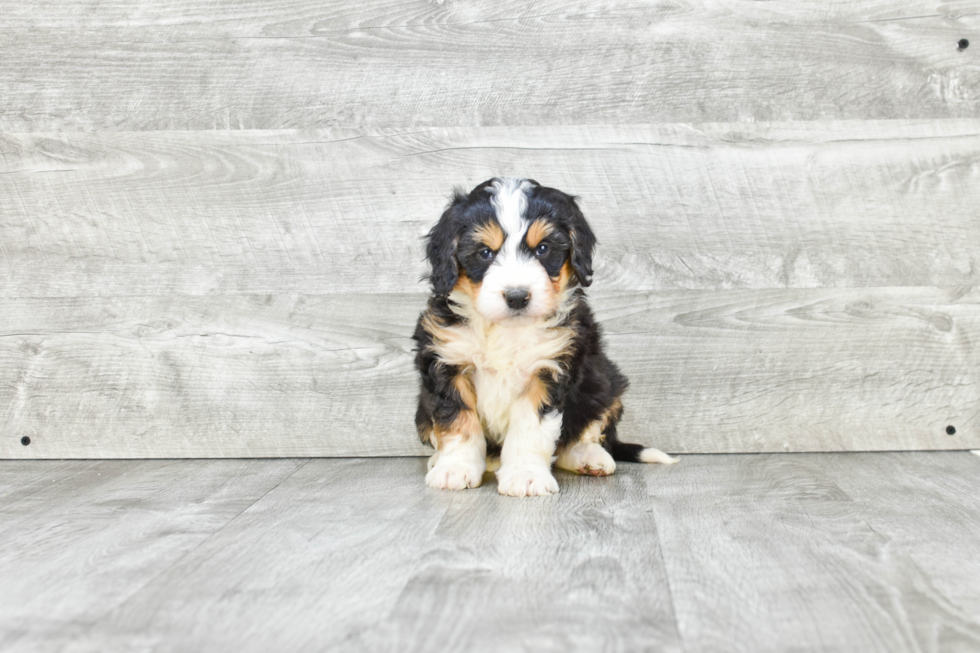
(305, 375)
(172, 290)
(354, 555)
(581, 571)
(261, 65)
(80, 538)
(940, 530)
(769, 553)
(674, 206)
(809, 553)
(321, 560)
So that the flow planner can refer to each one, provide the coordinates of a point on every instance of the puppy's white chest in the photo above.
(507, 353)
(504, 366)
(502, 361)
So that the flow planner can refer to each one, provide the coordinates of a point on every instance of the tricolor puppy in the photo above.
(509, 353)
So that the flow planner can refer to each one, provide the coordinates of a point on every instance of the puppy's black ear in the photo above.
(440, 248)
(583, 245)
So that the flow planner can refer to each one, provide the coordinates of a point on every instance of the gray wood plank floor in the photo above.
(802, 552)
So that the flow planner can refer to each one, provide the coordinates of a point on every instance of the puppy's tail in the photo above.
(637, 453)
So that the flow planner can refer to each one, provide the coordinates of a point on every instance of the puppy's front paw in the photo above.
(454, 475)
(526, 482)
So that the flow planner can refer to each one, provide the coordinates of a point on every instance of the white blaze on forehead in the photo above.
(509, 200)
(510, 269)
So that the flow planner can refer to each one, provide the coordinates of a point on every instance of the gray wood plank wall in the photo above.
(210, 215)
(190, 64)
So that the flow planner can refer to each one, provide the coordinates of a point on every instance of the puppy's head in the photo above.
(511, 247)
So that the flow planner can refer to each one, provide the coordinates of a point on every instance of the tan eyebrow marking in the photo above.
(490, 234)
(537, 232)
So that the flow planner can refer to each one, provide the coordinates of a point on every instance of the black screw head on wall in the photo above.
(951, 430)
(963, 44)
(25, 440)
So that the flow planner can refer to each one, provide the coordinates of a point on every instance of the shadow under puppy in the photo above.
(509, 352)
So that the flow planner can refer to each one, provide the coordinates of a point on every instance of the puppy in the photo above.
(509, 354)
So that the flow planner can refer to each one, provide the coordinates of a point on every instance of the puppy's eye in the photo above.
(541, 249)
(486, 253)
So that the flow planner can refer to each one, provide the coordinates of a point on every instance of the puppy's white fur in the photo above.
(509, 200)
(651, 455)
(527, 453)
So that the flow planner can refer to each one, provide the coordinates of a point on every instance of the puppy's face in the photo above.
(511, 248)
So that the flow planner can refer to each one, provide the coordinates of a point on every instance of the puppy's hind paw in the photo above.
(587, 458)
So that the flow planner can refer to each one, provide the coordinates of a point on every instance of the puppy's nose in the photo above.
(517, 298)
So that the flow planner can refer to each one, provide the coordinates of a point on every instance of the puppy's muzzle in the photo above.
(517, 298)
